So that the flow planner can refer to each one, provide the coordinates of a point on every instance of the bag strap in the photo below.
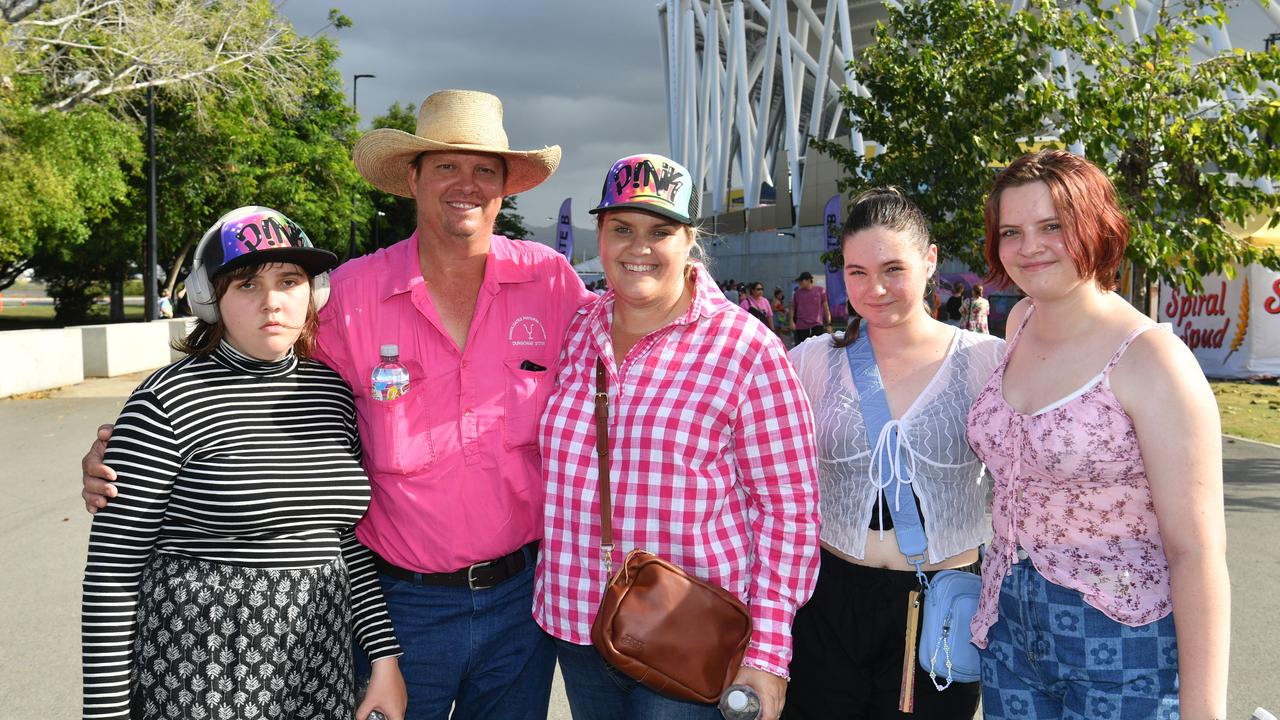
(602, 465)
(887, 453)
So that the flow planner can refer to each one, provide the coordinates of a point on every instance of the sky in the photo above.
(583, 74)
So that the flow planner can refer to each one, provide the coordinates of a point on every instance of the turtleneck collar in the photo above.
(233, 359)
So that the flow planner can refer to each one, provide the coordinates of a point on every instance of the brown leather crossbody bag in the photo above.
(675, 634)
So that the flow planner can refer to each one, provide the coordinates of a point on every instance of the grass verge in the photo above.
(1248, 409)
(16, 316)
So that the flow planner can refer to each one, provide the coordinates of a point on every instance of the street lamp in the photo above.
(149, 268)
(355, 94)
(377, 224)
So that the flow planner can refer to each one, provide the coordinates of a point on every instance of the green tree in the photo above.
(958, 89)
(59, 174)
(267, 124)
(952, 91)
(400, 214)
(253, 152)
(510, 222)
(105, 52)
(1184, 141)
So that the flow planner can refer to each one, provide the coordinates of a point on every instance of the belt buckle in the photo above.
(471, 579)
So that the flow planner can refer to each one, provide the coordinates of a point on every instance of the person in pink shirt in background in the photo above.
(455, 518)
(757, 304)
(810, 313)
(1105, 589)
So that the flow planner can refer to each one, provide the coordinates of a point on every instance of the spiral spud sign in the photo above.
(1233, 327)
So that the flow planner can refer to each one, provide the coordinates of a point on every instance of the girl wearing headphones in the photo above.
(225, 579)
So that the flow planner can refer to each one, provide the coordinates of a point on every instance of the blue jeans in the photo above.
(599, 691)
(479, 652)
(1051, 655)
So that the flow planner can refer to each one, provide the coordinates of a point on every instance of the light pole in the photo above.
(377, 226)
(149, 254)
(355, 94)
(149, 269)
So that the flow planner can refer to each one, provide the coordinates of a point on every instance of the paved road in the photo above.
(43, 530)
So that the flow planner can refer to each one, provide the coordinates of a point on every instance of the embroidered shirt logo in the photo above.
(527, 331)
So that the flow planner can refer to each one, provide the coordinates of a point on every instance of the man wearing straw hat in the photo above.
(456, 509)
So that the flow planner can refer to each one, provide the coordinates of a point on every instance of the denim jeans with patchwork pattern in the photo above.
(1052, 655)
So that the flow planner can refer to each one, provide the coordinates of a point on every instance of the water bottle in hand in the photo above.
(740, 702)
(390, 377)
(362, 686)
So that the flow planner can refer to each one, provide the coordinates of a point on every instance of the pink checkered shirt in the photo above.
(713, 468)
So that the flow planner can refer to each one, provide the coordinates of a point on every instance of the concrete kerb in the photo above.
(1237, 438)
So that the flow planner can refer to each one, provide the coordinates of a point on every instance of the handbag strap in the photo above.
(887, 453)
(602, 465)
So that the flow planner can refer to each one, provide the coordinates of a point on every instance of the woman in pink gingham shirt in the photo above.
(712, 459)
(1105, 591)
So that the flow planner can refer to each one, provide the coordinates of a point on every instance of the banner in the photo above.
(837, 297)
(1233, 327)
(564, 231)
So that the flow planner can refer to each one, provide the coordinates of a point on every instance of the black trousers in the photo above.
(848, 642)
(802, 334)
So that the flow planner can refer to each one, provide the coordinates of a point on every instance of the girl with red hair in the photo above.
(1105, 589)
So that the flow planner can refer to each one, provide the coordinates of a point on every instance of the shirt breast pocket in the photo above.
(404, 443)
(529, 383)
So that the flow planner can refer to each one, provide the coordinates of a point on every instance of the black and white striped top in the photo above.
(232, 460)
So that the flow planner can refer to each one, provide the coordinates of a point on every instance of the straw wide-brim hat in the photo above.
(451, 121)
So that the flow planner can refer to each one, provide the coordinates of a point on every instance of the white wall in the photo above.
(179, 328)
(33, 360)
(122, 348)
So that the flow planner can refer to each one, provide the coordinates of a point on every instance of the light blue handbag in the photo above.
(951, 598)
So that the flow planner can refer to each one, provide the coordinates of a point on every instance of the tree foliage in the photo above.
(1183, 141)
(106, 50)
(957, 90)
(246, 113)
(400, 215)
(510, 222)
(251, 152)
(951, 91)
(59, 174)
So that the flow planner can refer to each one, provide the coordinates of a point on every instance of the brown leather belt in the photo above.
(481, 576)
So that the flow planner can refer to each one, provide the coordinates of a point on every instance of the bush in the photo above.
(73, 297)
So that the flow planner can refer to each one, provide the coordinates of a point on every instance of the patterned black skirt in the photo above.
(224, 642)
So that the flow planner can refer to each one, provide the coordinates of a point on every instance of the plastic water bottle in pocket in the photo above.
(390, 377)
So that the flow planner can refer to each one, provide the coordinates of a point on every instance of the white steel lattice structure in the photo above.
(750, 80)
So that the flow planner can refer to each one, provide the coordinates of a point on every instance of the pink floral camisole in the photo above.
(1070, 489)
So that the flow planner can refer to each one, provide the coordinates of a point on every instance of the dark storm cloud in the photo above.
(583, 74)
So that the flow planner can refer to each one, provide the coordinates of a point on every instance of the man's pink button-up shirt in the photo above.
(454, 462)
